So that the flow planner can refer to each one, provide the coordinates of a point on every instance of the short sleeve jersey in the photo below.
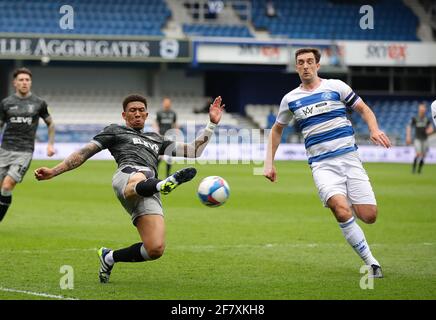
(420, 126)
(21, 117)
(166, 119)
(321, 116)
(132, 147)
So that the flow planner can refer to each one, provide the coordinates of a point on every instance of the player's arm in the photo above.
(376, 135)
(433, 111)
(408, 134)
(196, 147)
(51, 135)
(2, 116)
(73, 161)
(269, 171)
(429, 130)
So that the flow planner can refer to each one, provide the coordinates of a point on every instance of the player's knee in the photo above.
(8, 184)
(342, 212)
(156, 250)
(370, 215)
(129, 191)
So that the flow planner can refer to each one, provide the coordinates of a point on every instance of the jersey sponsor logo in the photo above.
(307, 110)
(152, 146)
(322, 104)
(26, 120)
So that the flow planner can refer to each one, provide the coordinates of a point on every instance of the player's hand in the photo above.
(50, 150)
(380, 138)
(270, 173)
(216, 110)
(44, 173)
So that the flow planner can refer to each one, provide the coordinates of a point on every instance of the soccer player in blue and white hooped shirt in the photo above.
(319, 106)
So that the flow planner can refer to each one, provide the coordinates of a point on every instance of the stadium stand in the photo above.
(136, 17)
(80, 114)
(112, 17)
(216, 30)
(295, 19)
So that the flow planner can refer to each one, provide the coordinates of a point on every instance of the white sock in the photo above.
(109, 258)
(355, 237)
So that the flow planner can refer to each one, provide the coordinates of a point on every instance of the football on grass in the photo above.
(213, 191)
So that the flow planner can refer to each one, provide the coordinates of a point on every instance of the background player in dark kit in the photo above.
(422, 128)
(20, 113)
(166, 119)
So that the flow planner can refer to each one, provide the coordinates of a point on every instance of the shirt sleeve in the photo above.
(168, 147)
(347, 95)
(43, 112)
(106, 138)
(413, 122)
(2, 112)
(285, 115)
(433, 111)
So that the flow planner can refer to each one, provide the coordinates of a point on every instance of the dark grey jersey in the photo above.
(165, 120)
(131, 147)
(420, 126)
(21, 116)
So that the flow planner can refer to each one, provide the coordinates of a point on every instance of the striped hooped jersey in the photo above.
(321, 115)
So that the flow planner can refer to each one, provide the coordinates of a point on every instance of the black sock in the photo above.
(131, 254)
(5, 202)
(421, 163)
(414, 164)
(147, 188)
(168, 170)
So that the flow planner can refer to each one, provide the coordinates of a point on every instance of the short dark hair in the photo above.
(315, 52)
(22, 70)
(132, 98)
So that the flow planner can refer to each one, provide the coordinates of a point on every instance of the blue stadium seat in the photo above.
(91, 17)
(394, 21)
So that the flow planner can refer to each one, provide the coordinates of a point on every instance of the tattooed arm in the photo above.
(73, 161)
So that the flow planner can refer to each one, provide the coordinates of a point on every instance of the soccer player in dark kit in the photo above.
(135, 182)
(20, 114)
(166, 119)
(422, 127)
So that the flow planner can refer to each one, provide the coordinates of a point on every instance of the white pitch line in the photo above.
(39, 294)
(214, 247)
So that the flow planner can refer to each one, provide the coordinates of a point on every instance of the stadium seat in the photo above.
(394, 21)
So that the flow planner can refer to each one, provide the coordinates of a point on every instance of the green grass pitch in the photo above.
(270, 241)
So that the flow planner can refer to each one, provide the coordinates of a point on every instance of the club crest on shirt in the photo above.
(31, 107)
(327, 96)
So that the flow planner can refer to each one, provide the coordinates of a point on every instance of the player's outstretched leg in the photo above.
(148, 187)
(169, 184)
(105, 267)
